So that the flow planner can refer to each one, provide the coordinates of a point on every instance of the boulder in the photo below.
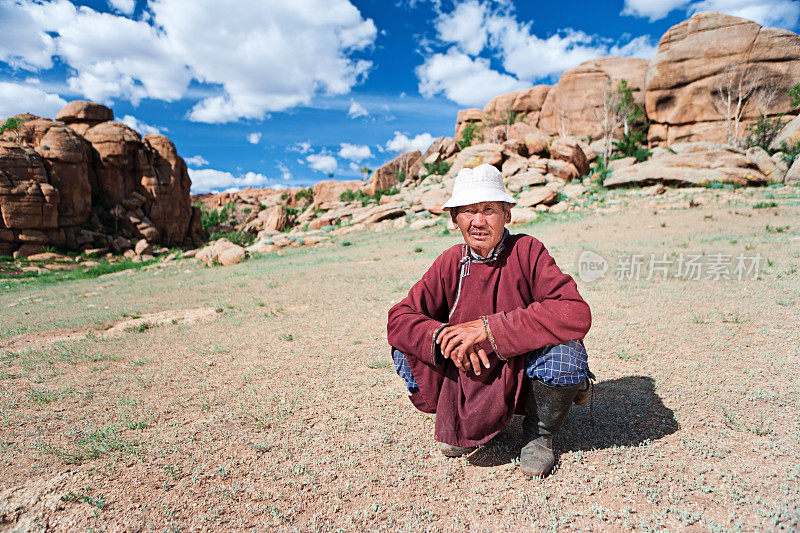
(379, 212)
(536, 196)
(407, 164)
(166, 191)
(478, 154)
(570, 104)
(143, 247)
(696, 57)
(793, 174)
(774, 171)
(692, 167)
(499, 108)
(423, 223)
(525, 179)
(523, 215)
(568, 149)
(221, 251)
(331, 190)
(617, 164)
(513, 165)
(232, 255)
(275, 218)
(433, 199)
(84, 111)
(563, 170)
(789, 134)
(530, 101)
(464, 117)
(439, 150)
(573, 190)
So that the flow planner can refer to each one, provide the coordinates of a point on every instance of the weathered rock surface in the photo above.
(221, 252)
(330, 190)
(569, 106)
(693, 59)
(84, 184)
(696, 165)
(789, 134)
(407, 164)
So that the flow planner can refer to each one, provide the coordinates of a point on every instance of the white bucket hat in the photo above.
(483, 183)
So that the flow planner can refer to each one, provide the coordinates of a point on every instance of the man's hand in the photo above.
(459, 344)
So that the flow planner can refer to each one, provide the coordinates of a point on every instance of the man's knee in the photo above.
(558, 365)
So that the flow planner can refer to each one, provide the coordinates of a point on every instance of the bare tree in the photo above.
(766, 95)
(608, 116)
(736, 89)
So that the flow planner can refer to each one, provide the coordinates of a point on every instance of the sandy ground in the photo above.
(281, 410)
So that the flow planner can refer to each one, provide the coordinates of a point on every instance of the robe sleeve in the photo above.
(558, 313)
(415, 321)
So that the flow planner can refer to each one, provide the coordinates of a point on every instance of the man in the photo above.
(494, 327)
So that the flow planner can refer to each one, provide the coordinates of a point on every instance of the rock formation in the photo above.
(90, 183)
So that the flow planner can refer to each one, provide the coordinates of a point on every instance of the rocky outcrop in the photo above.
(692, 164)
(698, 56)
(90, 183)
(398, 169)
(569, 108)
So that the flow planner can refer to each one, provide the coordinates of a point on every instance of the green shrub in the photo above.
(794, 94)
(236, 237)
(305, 193)
(469, 134)
(440, 168)
(400, 175)
(213, 218)
(631, 145)
(600, 172)
(762, 132)
(353, 196)
(790, 152)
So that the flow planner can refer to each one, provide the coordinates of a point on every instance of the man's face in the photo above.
(482, 224)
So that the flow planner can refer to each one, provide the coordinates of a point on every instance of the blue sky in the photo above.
(275, 93)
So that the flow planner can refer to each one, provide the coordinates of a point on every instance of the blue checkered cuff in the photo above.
(404, 371)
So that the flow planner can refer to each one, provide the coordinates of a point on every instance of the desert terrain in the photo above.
(178, 397)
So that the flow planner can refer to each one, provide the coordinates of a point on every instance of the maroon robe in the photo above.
(529, 303)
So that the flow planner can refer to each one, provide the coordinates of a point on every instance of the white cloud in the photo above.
(196, 161)
(310, 43)
(464, 80)
(322, 162)
(355, 152)
(401, 143)
(465, 27)
(254, 138)
(16, 98)
(641, 46)
(286, 174)
(209, 179)
(354, 167)
(357, 110)
(126, 7)
(781, 13)
(652, 9)
(141, 127)
(302, 147)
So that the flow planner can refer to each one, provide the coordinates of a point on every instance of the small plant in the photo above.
(306, 193)
(83, 497)
(764, 205)
(469, 134)
(288, 337)
(762, 132)
(417, 250)
(440, 168)
(631, 145)
(346, 243)
(378, 363)
(790, 152)
(213, 218)
(236, 237)
(400, 175)
(794, 94)
(600, 172)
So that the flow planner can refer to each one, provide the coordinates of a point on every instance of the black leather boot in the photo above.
(545, 413)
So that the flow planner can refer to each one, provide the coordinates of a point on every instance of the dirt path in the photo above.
(282, 411)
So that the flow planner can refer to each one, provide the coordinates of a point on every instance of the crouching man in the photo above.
(493, 328)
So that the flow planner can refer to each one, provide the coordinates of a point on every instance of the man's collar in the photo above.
(493, 253)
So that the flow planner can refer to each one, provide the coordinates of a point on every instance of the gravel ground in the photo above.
(281, 409)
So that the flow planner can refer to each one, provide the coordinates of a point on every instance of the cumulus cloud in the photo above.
(401, 142)
(465, 76)
(357, 110)
(464, 27)
(464, 80)
(783, 13)
(126, 7)
(355, 152)
(211, 180)
(310, 43)
(286, 174)
(17, 98)
(322, 162)
(651, 9)
(196, 161)
(141, 127)
(254, 138)
(303, 147)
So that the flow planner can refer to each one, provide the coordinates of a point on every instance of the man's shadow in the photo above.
(627, 412)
